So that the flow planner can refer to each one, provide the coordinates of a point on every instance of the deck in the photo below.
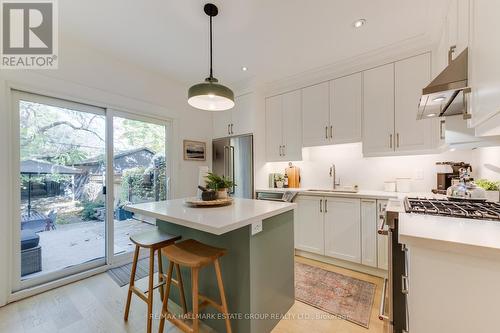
(77, 243)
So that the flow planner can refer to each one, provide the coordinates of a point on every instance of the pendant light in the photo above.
(211, 95)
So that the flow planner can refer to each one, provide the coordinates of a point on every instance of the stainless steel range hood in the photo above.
(445, 95)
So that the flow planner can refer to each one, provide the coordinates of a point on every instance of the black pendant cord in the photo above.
(211, 70)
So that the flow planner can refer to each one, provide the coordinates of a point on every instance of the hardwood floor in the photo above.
(96, 305)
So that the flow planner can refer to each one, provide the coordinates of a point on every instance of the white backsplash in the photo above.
(367, 172)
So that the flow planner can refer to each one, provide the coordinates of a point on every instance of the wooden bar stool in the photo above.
(154, 241)
(195, 255)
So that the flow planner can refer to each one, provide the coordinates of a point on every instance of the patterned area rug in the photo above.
(343, 296)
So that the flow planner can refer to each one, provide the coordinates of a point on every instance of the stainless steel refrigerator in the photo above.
(233, 158)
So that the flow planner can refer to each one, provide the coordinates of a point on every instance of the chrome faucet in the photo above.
(333, 174)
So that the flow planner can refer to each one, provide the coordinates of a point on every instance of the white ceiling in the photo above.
(273, 38)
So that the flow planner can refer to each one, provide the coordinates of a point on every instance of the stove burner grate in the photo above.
(464, 209)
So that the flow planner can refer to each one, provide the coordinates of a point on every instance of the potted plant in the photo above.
(219, 184)
(280, 180)
(492, 189)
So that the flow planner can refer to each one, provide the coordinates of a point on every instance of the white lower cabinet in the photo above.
(343, 228)
(309, 224)
(369, 232)
(382, 240)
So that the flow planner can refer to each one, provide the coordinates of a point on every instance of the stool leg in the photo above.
(164, 308)
(181, 288)
(222, 295)
(194, 282)
(150, 289)
(132, 281)
(160, 274)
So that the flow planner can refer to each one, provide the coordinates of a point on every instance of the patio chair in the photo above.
(31, 253)
(51, 220)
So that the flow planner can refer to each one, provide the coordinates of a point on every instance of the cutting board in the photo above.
(293, 176)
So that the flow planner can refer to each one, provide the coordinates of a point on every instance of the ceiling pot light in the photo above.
(431, 115)
(359, 23)
(244, 68)
(439, 99)
(210, 95)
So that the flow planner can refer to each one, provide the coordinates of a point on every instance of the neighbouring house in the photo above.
(93, 169)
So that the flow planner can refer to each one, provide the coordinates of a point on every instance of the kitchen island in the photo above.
(258, 269)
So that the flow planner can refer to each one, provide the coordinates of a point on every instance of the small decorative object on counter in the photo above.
(492, 189)
(403, 185)
(280, 180)
(285, 182)
(390, 186)
(219, 184)
(466, 189)
(293, 174)
(207, 194)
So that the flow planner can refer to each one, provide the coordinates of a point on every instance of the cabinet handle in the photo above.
(326, 132)
(326, 207)
(232, 132)
(284, 150)
(397, 140)
(390, 141)
(281, 154)
(228, 129)
(331, 131)
(321, 205)
(441, 129)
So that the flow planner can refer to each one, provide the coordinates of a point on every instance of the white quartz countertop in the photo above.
(360, 194)
(450, 230)
(215, 220)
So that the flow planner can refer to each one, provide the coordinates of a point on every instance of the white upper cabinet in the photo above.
(222, 123)
(236, 121)
(484, 69)
(292, 126)
(343, 228)
(345, 109)
(411, 75)
(316, 115)
(391, 95)
(309, 233)
(242, 115)
(283, 127)
(378, 110)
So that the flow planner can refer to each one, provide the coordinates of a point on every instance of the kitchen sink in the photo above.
(341, 189)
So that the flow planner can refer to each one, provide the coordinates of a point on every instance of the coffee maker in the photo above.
(447, 173)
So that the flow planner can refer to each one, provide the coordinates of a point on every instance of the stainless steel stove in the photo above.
(463, 209)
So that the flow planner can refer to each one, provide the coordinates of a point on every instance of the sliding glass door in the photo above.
(61, 206)
(69, 205)
(139, 174)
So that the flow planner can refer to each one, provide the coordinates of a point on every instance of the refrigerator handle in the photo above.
(226, 161)
(232, 168)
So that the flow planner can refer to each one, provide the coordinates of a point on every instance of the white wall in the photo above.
(367, 172)
(488, 163)
(86, 75)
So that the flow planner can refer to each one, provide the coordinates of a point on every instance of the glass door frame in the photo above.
(109, 259)
(17, 284)
(123, 258)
